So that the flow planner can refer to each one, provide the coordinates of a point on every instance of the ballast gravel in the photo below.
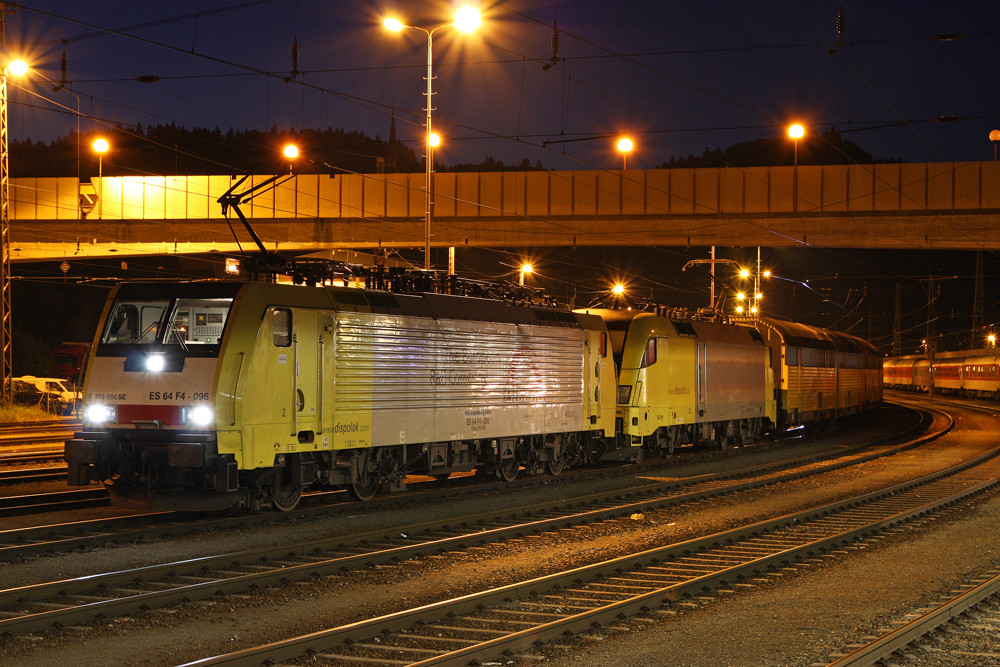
(800, 618)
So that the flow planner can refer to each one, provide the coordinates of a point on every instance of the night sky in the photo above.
(679, 77)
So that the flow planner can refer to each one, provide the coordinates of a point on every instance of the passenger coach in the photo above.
(973, 373)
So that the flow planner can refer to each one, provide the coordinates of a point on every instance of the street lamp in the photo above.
(753, 301)
(995, 137)
(525, 268)
(291, 153)
(625, 147)
(100, 147)
(795, 132)
(466, 20)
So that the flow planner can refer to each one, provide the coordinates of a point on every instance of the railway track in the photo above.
(32, 608)
(486, 625)
(33, 541)
(12, 435)
(28, 458)
(51, 502)
(41, 425)
(971, 615)
(28, 475)
(13, 470)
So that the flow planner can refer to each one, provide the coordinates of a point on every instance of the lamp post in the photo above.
(6, 350)
(20, 68)
(466, 20)
(795, 132)
(625, 147)
(995, 138)
(100, 147)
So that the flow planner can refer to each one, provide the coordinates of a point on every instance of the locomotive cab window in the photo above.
(197, 321)
(281, 327)
(134, 322)
(649, 354)
(188, 326)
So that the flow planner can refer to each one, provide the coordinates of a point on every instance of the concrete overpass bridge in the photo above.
(953, 205)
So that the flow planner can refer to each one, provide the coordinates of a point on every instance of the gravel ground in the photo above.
(832, 604)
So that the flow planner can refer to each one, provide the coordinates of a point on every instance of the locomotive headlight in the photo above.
(155, 363)
(199, 415)
(99, 414)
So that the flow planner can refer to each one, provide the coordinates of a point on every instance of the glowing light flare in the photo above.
(434, 139)
(393, 24)
(796, 131)
(744, 273)
(467, 19)
(99, 414)
(618, 289)
(200, 415)
(101, 145)
(291, 151)
(17, 68)
(625, 145)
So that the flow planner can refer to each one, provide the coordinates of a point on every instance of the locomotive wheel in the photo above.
(507, 470)
(638, 455)
(287, 493)
(287, 497)
(554, 467)
(364, 490)
(368, 478)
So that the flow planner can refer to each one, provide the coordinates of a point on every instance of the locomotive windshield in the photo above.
(183, 322)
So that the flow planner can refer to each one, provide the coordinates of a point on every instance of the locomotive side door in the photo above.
(306, 388)
(701, 379)
(325, 380)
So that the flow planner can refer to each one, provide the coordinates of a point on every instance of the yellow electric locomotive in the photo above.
(685, 381)
(206, 395)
